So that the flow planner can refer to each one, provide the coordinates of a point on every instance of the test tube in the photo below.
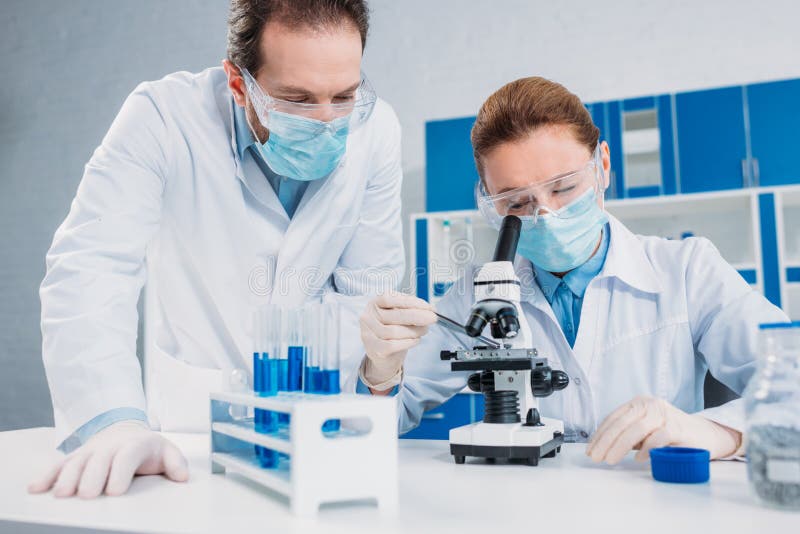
(329, 349)
(329, 356)
(265, 376)
(295, 341)
(312, 377)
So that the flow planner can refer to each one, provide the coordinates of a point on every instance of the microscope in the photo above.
(509, 373)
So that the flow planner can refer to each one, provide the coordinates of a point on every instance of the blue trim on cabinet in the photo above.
(666, 149)
(644, 191)
(769, 248)
(614, 121)
(749, 275)
(437, 422)
(639, 104)
(793, 274)
(421, 267)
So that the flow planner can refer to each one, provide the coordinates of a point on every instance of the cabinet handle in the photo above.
(745, 174)
(433, 416)
(756, 173)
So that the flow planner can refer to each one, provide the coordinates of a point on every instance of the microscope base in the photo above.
(510, 441)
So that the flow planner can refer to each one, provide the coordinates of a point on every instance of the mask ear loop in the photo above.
(250, 84)
(600, 175)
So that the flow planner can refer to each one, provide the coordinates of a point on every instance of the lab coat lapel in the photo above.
(297, 276)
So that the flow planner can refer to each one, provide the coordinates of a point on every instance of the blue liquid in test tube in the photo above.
(296, 356)
(265, 383)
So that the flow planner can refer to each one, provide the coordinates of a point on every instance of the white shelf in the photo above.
(643, 141)
(243, 433)
(276, 478)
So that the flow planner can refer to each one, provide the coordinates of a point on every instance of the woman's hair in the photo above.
(519, 108)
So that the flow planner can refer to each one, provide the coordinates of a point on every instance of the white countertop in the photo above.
(565, 494)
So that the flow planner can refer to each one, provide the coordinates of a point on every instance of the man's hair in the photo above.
(247, 18)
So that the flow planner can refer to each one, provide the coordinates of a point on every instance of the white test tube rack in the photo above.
(358, 462)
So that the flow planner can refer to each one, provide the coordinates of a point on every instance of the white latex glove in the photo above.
(646, 423)
(110, 459)
(390, 325)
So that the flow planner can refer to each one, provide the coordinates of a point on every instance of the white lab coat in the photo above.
(655, 319)
(165, 198)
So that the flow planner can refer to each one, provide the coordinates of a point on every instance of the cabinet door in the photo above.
(711, 139)
(450, 174)
(436, 423)
(774, 110)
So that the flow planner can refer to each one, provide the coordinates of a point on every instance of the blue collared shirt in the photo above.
(565, 295)
(289, 191)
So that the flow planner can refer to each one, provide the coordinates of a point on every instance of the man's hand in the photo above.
(646, 423)
(390, 325)
(110, 459)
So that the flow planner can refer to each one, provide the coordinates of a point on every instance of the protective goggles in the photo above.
(333, 117)
(551, 198)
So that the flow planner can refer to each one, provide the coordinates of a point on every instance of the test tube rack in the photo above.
(358, 462)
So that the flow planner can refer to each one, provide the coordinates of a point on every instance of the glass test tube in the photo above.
(311, 376)
(295, 340)
(265, 376)
(329, 355)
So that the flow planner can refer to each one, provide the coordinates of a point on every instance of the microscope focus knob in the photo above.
(559, 380)
(544, 381)
(474, 382)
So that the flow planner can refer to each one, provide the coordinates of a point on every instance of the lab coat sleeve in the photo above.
(95, 270)
(374, 259)
(427, 379)
(724, 314)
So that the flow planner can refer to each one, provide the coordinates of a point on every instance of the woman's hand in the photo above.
(646, 423)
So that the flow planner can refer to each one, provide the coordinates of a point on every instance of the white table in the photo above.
(565, 494)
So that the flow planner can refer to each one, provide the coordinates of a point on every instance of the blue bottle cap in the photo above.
(680, 465)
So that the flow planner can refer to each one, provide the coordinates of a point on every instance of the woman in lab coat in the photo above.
(635, 321)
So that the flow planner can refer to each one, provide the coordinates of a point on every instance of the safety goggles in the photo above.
(337, 116)
(551, 198)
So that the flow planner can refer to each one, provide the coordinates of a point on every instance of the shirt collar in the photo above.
(244, 137)
(577, 280)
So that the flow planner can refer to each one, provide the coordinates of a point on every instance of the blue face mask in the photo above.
(304, 149)
(560, 244)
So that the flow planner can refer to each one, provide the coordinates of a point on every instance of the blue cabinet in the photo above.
(450, 173)
(711, 140)
(774, 110)
(436, 423)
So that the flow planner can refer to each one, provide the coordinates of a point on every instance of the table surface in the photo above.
(566, 492)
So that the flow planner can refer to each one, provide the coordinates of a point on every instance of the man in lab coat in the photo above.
(635, 321)
(275, 178)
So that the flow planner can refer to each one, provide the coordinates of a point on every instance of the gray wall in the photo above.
(67, 67)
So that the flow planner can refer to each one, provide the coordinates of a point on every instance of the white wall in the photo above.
(436, 59)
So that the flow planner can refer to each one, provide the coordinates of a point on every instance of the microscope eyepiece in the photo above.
(507, 241)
